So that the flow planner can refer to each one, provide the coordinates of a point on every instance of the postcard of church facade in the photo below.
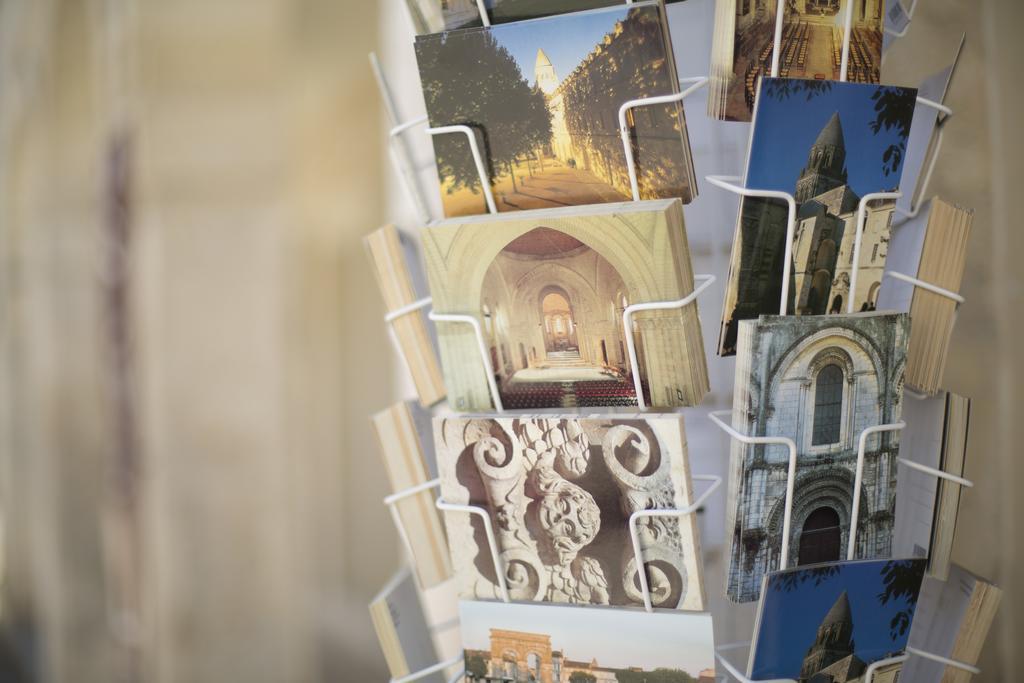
(831, 621)
(548, 290)
(812, 43)
(828, 144)
(559, 491)
(821, 381)
(558, 643)
(543, 97)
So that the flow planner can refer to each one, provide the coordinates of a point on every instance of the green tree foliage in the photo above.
(471, 79)
(656, 676)
(476, 665)
(582, 677)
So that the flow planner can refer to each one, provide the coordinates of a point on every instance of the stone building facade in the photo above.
(520, 657)
(831, 657)
(821, 381)
(630, 62)
(823, 243)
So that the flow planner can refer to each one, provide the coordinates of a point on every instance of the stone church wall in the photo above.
(786, 360)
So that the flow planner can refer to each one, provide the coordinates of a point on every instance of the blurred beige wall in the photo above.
(251, 343)
(980, 167)
(188, 488)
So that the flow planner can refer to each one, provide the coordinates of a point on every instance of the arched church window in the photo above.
(828, 405)
(820, 537)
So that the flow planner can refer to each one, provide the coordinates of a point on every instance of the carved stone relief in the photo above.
(559, 492)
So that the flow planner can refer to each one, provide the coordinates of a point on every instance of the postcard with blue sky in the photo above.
(829, 144)
(543, 97)
(829, 622)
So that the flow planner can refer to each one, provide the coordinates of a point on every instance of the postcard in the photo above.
(555, 643)
(432, 16)
(828, 144)
(560, 491)
(821, 381)
(831, 621)
(543, 98)
(549, 290)
(811, 48)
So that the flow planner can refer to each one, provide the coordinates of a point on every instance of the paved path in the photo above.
(557, 185)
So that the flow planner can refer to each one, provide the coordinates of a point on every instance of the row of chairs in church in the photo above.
(534, 395)
(796, 49)
(613, 393)
(790, 40)
(862, 67)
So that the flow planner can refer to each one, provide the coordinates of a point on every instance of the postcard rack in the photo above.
(407, 172)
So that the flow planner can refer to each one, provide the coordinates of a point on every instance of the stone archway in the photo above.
(820, 537)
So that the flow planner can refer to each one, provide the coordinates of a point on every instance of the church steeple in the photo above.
(834, 640)
(544, 73)
(826, 162)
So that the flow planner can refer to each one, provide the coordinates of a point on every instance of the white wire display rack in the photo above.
(403, 163)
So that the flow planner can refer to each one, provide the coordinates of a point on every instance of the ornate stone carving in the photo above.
(560, 505)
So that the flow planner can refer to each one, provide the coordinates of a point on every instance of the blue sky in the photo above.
(617, 638)
(566, 39)
(790, 620)
(786, 129)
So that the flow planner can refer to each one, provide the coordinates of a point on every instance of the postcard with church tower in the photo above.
(811, 47)
(560, 491)
(831, 622)
(549, 292)
(829, 144)
(532, 643)
(543, 98)
(819, 380)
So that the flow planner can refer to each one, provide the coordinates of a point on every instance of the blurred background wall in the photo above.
(190, 341)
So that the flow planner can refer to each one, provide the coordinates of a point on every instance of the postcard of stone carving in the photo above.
(543, 99)
(520, 643)
(828, 144)
(812, 44)
(559, 492)
(830, 622)
(820, 381)
(549, 289)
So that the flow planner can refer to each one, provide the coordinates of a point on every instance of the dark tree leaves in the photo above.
(476, 665)
(902, 581)
(782, 89)
(473, 80)
(894, 108)
(790, 581)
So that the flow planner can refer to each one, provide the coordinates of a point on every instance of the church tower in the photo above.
(544, 73)
(834, 641)
(826, 164)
